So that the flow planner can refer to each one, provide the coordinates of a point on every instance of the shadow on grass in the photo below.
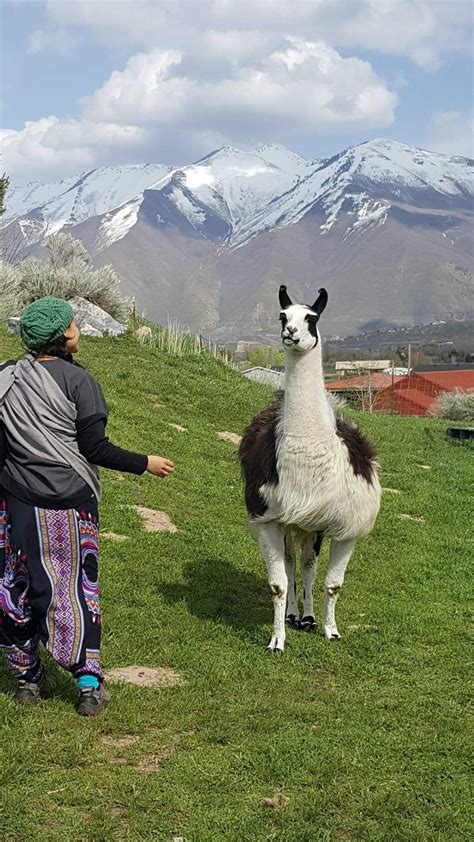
(216, 590)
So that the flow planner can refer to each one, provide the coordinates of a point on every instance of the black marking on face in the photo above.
(312, 321)
(284, 320)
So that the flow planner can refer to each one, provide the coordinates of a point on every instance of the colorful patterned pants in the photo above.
(49, 589)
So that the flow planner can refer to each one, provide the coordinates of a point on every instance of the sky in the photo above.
(88, 83)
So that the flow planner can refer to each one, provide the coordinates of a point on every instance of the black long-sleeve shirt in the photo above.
(58, 487)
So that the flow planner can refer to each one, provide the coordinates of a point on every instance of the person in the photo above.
(52, 439)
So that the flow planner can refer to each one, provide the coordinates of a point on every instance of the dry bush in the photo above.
(66, 273)
(456, 405)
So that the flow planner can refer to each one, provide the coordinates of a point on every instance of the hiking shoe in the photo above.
(30, 693)
(92, 701)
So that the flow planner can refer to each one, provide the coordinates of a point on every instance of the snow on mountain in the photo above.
(231, 196)
(234, 185)
(21, 200)
(284, 158)
(51, 207)
(360, 178)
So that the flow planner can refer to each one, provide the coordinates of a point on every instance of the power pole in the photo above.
(409, 358)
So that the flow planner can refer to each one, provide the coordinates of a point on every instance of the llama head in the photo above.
(299, 332)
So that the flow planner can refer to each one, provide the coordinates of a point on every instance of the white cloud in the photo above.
(59, 41)
(422, 30)
(308, 83)
(155, 110)
(52, 148)
(453, 133)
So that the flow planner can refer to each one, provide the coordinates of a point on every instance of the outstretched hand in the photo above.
(159, 466)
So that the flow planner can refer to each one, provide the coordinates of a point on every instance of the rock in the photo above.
(93, 321)
(14, 324)
(143, 332)
(88, 330)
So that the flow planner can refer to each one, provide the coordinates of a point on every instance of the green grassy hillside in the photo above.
(366, 738)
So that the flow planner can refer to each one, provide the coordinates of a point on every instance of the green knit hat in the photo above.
(44, 321)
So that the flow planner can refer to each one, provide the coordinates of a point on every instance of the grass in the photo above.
(366, 739)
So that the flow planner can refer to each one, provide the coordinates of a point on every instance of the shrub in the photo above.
(456, 405)
(8, 290)
(265, 356)
(66, 273)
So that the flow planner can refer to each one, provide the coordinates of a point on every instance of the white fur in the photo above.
(317, 489)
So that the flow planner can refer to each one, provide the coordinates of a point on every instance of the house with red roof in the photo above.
(416, 393)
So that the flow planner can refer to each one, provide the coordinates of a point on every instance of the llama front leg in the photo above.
(272, 545)
(309, 560)
(292, 614)
(339, 556)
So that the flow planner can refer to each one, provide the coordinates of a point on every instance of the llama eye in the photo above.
(283, 319)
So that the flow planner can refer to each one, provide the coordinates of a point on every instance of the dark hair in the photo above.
(56, 348)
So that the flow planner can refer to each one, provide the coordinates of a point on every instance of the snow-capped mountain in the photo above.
(45, 209)
(379, 208)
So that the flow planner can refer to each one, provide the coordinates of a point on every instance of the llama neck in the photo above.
(306, 410)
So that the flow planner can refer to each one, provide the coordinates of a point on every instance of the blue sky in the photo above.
(88, 84)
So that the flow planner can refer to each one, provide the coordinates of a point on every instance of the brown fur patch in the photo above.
(257, 454)
(361, 451)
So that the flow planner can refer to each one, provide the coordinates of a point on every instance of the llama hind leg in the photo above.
(272, 545)
(292, 613)
(309, 560)
(339, 556)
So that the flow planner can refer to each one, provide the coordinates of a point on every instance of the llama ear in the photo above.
(285, 300)
(320, 302)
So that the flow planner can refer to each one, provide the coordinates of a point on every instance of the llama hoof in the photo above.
(331, 633)
(276, 645)
(308, 624)
(293, 621)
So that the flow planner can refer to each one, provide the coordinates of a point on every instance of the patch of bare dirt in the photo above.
(155, 521)
(118, 742)
(276, 802)
(113, 536)
(145, 676)
(233, 438)
(411, 517)
(151, 762)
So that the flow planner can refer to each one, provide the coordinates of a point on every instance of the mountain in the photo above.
(385, 226)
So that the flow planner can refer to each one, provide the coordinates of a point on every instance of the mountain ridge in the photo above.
(377, 209)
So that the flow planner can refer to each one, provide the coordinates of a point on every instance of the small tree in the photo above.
(4, 184)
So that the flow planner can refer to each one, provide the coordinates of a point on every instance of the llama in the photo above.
(307, 475)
